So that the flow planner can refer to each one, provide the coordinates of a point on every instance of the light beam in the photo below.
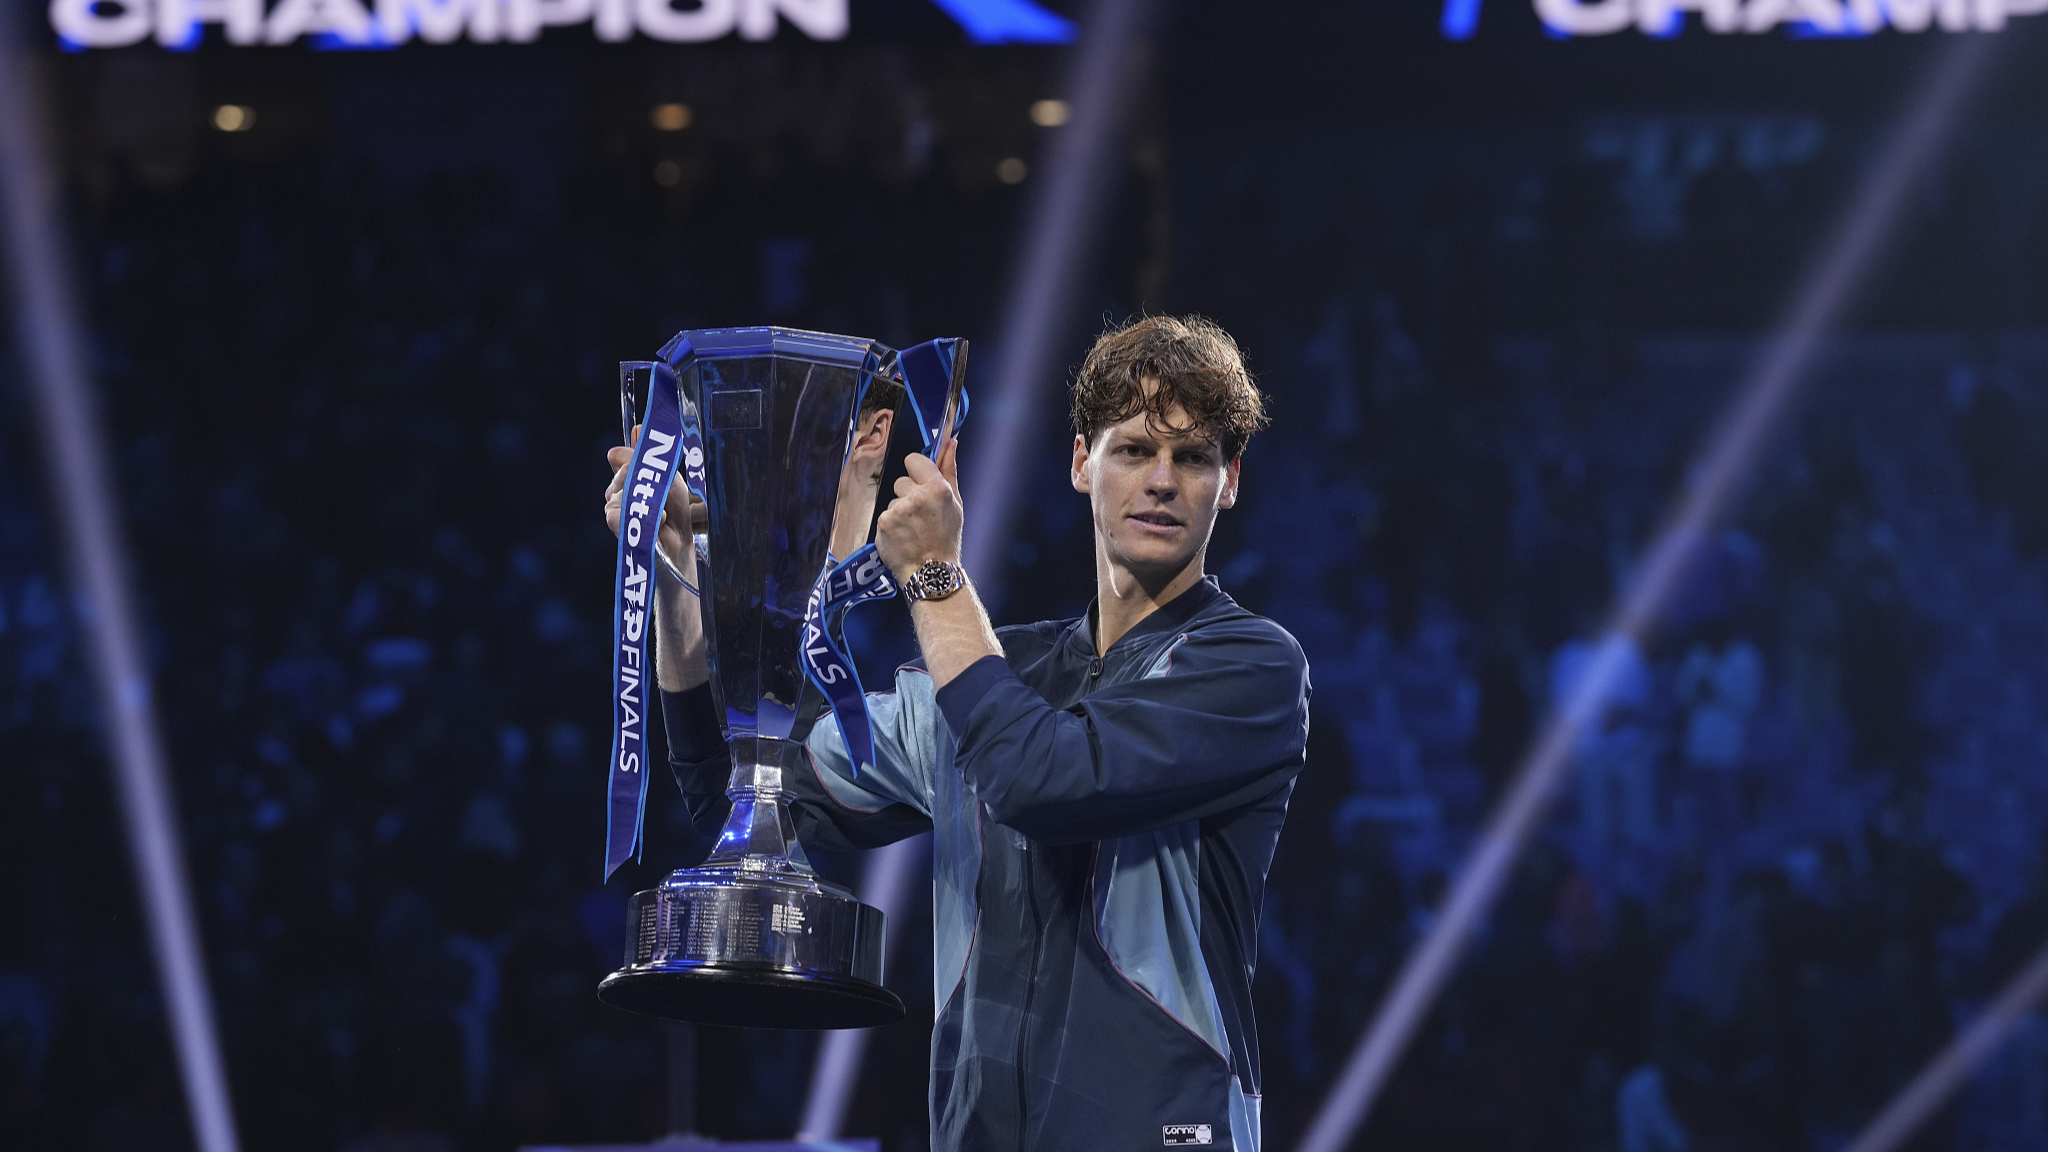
(1728, 461)
(79, 475)
(1947, 1072)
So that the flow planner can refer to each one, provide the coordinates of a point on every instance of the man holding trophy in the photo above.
(1105, 793)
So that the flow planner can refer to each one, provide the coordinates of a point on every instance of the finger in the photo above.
(633, 439)
(618, 456)
(904, 486)
(677, 506)
(920, 468)
(683, 512)
(949, 461)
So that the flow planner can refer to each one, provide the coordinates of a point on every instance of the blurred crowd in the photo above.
(360, 406)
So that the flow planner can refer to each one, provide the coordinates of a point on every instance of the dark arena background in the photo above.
(1657, 483)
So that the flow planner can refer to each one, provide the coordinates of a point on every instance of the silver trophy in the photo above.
(753, 937)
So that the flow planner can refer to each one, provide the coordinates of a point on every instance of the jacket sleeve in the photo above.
(698, 759)
(887, 802)
(890, 799)
(1222, 724)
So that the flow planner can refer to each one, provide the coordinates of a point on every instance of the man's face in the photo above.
(1155, 493)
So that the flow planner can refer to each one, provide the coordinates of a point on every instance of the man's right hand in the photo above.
(683, 516)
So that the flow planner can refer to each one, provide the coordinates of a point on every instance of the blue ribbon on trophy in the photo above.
(858, 579)
(666, 439)
(693, 448)
(933, 373)
(636, 377)
(692, 465)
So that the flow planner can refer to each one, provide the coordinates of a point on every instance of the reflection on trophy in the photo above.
(753, 937)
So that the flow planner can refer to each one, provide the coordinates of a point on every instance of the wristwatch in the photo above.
(935, 580)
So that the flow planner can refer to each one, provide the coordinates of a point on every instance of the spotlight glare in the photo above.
(668, 173)
(1011, 170)
(1050, 113)
(670, 117)
(234, 117)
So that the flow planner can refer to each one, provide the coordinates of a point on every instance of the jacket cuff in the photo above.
(959, 697)
(690, 723)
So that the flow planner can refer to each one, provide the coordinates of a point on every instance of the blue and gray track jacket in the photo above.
(1101, 829)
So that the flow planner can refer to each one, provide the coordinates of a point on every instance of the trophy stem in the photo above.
(759, 835)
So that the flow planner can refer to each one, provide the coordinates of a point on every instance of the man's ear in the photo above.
(1230, 475)
(1080, 473)
(876, 434)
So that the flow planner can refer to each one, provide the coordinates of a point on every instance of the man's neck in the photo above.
(1123, 599)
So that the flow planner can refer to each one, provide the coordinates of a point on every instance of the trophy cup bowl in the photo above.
(753, 937)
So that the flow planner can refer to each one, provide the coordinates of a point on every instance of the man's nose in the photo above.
(1160, 481)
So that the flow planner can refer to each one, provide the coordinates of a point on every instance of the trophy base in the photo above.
(753, 949)
(734, 997)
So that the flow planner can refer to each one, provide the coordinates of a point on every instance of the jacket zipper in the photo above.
(1030, 986)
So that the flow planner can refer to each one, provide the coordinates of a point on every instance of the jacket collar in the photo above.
(1168, 617)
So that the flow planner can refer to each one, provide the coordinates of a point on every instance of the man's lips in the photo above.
(1155, 523)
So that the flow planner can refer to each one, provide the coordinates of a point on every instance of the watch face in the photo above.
(935, 578)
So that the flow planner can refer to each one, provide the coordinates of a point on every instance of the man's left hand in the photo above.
(923, 522)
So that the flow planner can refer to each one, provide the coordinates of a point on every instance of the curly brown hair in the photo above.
(1198, 369)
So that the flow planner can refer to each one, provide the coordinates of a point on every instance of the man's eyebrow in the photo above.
(1199, 437)
(1191, 431)
(1183, 442)
(1181, 439)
